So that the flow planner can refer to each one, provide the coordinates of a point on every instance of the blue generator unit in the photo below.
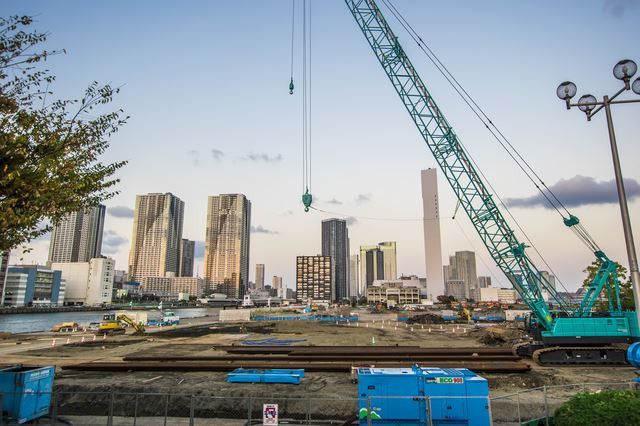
(421, 396)
(26, 392)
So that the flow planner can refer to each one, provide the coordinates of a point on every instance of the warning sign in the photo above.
(270, 414)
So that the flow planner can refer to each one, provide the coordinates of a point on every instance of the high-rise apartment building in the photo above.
(484, 282)
(226, 254)
(187, 257)
(335, 243)
(259, 276)
(313, 279)
(354, 276)
(462, 267)
(276, 286)
(432, 240)
(549, 278)
(78, 236)
(377, 263)
(156, 236)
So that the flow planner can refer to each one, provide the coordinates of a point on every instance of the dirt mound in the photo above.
(494, 336)
(426, 319)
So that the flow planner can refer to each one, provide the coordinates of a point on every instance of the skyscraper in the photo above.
(78, 236)
(259, 276)
(377, 263)
(462, 268)
(390, 265)
(354, 274)
(226, 253)
(432, 242)
(335, 243)
(156, 236)
(313, 279)
(187, 257)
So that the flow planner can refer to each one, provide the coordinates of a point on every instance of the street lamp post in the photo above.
(624, 71)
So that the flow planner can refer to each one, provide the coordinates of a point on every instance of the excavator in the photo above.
(566, 335)
(112, 324)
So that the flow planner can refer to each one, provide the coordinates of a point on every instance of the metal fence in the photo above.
(142, 409)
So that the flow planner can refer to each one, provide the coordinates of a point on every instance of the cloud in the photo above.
(217, 154)
(618, 8)
(198, 251)
(351, 220)
(262, 230)
(195, 156)
(363, 198)
(263, 157)
(120, 211)
(580, 191)
(334, 201)
(111, 242)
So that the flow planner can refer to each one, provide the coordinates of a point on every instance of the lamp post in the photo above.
(624, 71)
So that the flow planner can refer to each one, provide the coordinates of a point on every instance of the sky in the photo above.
(206, 86)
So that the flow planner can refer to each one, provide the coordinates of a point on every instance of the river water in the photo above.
(26, 323)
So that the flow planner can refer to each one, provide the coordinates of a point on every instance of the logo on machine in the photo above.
(450, 380)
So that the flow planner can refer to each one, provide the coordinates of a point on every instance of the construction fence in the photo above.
(118, 408)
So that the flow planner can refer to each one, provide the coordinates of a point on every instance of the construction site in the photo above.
(159, 372)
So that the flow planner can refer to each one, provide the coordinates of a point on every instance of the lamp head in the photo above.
(624, 70)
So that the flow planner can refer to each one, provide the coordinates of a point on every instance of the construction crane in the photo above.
(569, 336)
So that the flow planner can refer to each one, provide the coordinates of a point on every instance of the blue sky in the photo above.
(205, 83)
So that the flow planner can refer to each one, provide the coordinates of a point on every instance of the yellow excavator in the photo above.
(112, 324)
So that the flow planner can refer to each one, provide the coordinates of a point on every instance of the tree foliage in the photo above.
(626, 290)
(49, 150)
(611, 407)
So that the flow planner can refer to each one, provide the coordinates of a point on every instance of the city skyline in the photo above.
(215, 141)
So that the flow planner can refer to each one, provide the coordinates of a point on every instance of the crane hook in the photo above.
(306, 200)
(291, 86)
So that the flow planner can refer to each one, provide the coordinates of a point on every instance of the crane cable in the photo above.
(293, 32)
(306, 106)
(554, 202)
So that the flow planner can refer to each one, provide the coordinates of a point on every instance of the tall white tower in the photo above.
(432, 241)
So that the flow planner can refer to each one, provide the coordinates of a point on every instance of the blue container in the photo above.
(633, 355)
(398, 396)
(243, 375)
(26, 391)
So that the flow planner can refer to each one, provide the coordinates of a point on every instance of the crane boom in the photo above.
(456, 165)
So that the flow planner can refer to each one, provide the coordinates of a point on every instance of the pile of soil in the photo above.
(494, 336)
(426, 319)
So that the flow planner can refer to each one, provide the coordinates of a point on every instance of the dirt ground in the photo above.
(200, 337)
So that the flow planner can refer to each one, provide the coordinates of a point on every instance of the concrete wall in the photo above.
(232, 315)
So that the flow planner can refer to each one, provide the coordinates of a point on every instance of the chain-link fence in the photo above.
(531, 406)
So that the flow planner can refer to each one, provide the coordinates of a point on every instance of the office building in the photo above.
(88, 283)
(455, 288)
(484, 282)
(393, 293)
(354, 277)
(4, 265)
(187, 258)
(226, 255)
(501, 295)
(32, 285)
(259, 276)
(432, 240)
(335, 243)
(156, 236)
(313, 279)
(462, 267)
(170, 288)
(549, 279)
(78, 236)
(389, 260)
(377, 263)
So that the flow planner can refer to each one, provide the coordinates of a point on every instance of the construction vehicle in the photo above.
(569, 335)
(64, 327)
(113, 324)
